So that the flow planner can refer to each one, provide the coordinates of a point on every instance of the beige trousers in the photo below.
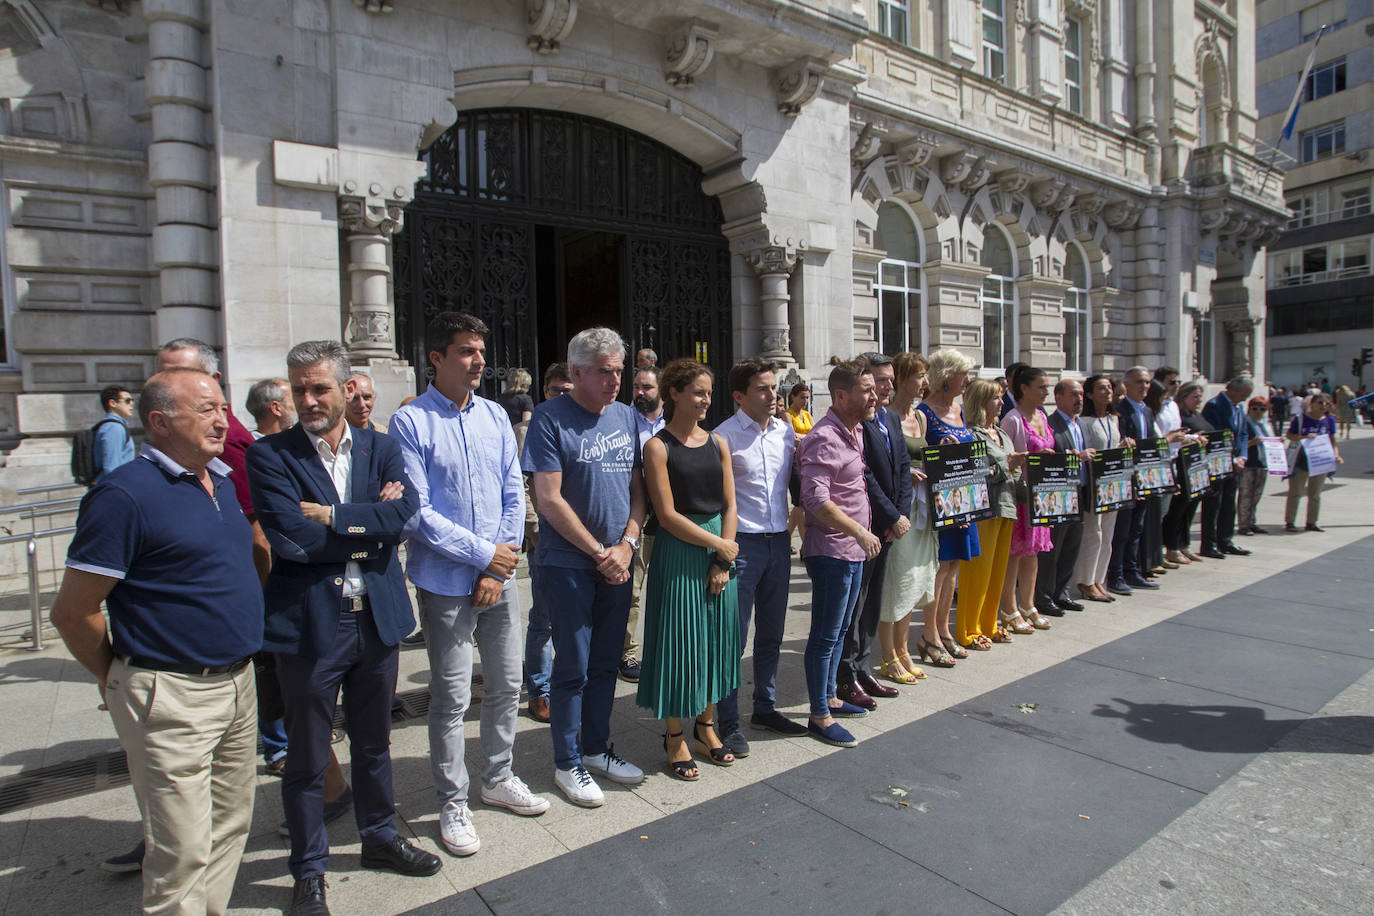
(191, 744)
(1298, 483)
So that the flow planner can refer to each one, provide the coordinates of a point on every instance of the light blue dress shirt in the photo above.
(466, 470)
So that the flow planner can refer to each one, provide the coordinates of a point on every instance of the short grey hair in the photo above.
(157, 394)
(358, 373)
(1241, 383)
(262, 395)
(1148, 374)
(586, 346)
(322, 351)
(205, 354)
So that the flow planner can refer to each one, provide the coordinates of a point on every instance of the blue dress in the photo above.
(955, 543)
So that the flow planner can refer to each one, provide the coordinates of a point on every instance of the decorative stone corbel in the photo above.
(111, 6)
(1064, 199)
(978, 175)
(374, 6)
(916, 153)
(866, 144)
(689, 52)
(1122, 214)
(955, 167)
(549, 22)
(1013, 182)
(797, 84)
(1090, 204)
(1046, 191)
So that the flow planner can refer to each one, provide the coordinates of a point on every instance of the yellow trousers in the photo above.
(980, 581)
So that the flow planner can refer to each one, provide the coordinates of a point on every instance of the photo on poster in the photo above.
(1193, 469)
(1154, 468)
(1219, 460)
(957, 478)
(1112, 479)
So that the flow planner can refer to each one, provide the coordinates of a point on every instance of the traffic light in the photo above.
(1356, 366)
(1366, 356)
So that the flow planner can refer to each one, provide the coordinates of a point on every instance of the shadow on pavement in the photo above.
(1239, 729)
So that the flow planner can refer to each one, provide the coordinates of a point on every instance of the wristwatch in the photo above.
(633, 542)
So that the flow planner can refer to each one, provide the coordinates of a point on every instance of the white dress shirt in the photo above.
(339, 467)
(761, 458)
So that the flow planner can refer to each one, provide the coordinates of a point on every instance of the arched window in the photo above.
(1077, 313)
(999, 300)
(900, 324)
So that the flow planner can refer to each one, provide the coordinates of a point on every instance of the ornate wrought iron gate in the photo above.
(468, 241)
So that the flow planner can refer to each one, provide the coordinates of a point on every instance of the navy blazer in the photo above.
(1063, 441)
(1221, 413)
(304, 591)
(889, 483)
(1127, 421)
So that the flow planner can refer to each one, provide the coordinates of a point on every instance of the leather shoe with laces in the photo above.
(1235, 551)
(1212, 553)
(871, 687)
(307, 897)
(854, 695)
(401, 856)
(1049, 608)
(1068, 604)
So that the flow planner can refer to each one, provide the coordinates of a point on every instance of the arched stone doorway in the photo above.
(543, 223)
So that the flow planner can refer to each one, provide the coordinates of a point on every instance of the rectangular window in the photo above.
(1354, 201)
(1077, 331)
(999, 323)
(1323, 142)
(1073, 66)
(893, 19)
(1354, 259)
(1329, 13)
(1320, 263)
(1325, 80)
(899, 307)
(1202, 343)
(994, 41)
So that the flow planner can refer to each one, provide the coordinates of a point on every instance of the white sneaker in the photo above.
(457, 831)
(613, 768)
(512, 794)
(579, 786)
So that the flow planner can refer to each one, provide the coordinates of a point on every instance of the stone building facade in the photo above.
(1070, 184)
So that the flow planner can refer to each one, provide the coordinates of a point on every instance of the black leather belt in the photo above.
(356, 604)
(135, 661)
(762, 534)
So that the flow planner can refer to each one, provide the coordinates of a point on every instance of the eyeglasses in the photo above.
(127, 399)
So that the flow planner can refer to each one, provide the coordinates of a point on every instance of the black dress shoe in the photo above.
(1118, 587)
(1312, 526)
(1138, 582)
(1049, 609)
(856, 696)
(1256, 529)
(1212, 553)
(1068, 604)
(1235, 551)
(307, 897)
(874, 689)
(402, 857)
(777, 722)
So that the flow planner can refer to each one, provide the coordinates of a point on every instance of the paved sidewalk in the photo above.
(1206, 748)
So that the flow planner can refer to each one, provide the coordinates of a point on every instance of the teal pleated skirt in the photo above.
(691, 655)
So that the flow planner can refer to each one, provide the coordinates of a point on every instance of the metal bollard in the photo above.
(35, 600)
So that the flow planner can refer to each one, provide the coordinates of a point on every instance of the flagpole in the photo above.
(1291, 116)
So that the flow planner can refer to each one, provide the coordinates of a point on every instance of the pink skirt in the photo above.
(1026, 540)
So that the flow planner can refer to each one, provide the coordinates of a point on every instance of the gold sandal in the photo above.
(894, 672)
(909, 664)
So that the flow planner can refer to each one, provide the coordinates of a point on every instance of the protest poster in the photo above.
(1193, 469)
(1275, 456)
(957, 477)
(1220, 464)
(1321, 459)
(1112, 474)
(1154, 468)
(1052, 478)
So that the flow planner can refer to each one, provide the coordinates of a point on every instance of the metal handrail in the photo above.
(35, 596)
(20, 510)
(57, 486)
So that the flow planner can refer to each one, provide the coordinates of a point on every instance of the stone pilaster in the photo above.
(1040, 320)
(370, 312)
(955, 310)
(774, 265)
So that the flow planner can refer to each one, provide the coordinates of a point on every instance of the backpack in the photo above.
(84, 470)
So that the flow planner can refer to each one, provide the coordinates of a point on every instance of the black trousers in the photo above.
(858, 641)
(1056, 565)
(1125, 561)
(1219, 514)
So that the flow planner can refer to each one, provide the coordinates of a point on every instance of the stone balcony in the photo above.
(1241, 194)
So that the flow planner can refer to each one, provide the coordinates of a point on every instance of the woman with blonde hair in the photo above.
(909, 582)
(978, 623)
(948, 377)
(516, 398)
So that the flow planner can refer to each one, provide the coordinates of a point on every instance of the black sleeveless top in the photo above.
(694, 475)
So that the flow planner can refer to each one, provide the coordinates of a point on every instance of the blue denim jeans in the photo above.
(588, 638)
(834, 593)
(765, 569)
(538, 642)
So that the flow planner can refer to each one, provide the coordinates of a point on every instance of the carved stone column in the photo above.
(369, 332)
(1241, 332)
(774, 265)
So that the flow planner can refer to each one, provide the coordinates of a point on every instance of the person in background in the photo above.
(1345, 414)
(1313, 422)
(1100, 433)
(539, 630)
(1178, 521)
(359, 409)
(269, 403)
(1226, 411)
(796, 411)
(113, 445)
(516, 398)
(649, 420)
(1255, 474)
(646, 359)
(1030, 431)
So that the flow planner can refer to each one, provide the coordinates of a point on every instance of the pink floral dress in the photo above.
(1027, 540)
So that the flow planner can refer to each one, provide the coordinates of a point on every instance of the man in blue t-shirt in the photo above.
(163, 542)
(583, 454)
